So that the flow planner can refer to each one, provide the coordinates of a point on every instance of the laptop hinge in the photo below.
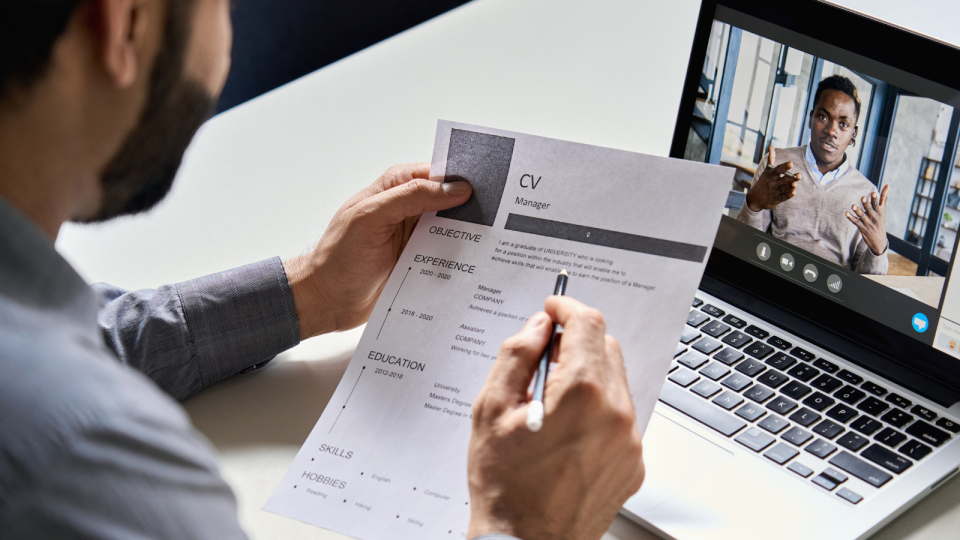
(883, 366)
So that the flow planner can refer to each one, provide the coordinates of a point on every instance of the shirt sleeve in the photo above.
(496, 537)
(191, 335)
(865, 262)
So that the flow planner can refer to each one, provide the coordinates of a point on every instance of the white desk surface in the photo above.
(264, 179)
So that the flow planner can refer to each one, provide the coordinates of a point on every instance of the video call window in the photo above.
(755, 92)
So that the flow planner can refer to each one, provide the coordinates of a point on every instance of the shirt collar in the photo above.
(34, 275)
(825, 179)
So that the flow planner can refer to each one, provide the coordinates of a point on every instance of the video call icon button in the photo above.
(787, 262)
(920, 323)
(810, 273)
(834, 283)
(763, 251)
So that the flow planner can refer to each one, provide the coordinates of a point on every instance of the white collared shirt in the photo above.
(825, 179)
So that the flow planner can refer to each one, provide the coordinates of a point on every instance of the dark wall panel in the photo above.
(277, 41)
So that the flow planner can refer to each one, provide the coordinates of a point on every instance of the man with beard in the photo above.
(98, 101)
(814, 198)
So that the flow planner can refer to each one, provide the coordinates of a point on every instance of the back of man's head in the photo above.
(841, 84)
(28, 30)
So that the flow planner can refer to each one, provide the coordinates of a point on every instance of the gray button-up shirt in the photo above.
(91, 444)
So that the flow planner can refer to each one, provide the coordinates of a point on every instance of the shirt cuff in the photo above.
(239, 318)
(495, 537)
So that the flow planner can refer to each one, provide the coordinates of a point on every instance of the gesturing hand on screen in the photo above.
(774, 185)
(568, 480)
(872, 220)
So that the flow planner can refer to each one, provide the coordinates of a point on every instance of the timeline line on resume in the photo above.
(394, 300)
(364, 368)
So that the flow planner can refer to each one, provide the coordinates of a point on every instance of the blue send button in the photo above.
(920, 323)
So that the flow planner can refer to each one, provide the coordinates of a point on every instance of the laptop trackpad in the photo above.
(674, 457)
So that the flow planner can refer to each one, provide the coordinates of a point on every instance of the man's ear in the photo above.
(123, 30)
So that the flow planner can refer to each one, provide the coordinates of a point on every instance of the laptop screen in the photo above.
(847, 170)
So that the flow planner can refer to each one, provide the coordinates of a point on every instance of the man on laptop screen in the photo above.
(812, 197)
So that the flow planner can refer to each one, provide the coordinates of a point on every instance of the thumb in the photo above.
(507, 384)
(412, 199)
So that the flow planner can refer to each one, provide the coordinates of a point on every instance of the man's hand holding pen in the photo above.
(568, 480)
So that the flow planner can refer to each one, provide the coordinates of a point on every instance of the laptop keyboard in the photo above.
(784, 403)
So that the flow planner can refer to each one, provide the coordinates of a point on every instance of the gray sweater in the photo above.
(815, 219)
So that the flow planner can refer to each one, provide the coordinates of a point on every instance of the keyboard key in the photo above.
(728, 400)
(779, 343)
(782, 405)
(874, 389)
(873, 406)
(828, 429)
(693, 359)
(680, 350)
(805, 417)
(865, 425)
(697, 302)
(734, 321)
(705, 389)
(861, 469)
(802, 354)
(707, 345)
(689, 336)
(754, 439)
(948, 425)
(804, 372)
(852, 441)
(700, 410)
(781, 361)
(751, 367)
(758, 333)
(825, 365)
(715, 371)
(728, 356)
(737, 382)
(795, 390)
(899, 401)
(824, 482)
(820, 448)
(781, 453)
(849, 395)
(897, 418)
(850, 496)
(696, 318)
(673, 367)
(890, 437)
(713, 310)
(800, 469)
(737, 339)
(774, 424)
(835, 475)
(886, 459)
(841, 413)
(758, 393)
(924, 412)
(684, 377)
(927, 433)
(773, 378)
(915, 450)
(796, 436)
(850, 377)
(715, 329)
(758, 350)
(750, 412)
(824, 383)
(817, 401)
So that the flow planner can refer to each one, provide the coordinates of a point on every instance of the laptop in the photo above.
(815, 392)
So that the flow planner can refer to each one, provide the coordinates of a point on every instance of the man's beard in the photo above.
(141, 173)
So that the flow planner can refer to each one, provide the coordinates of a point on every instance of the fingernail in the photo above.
(456, 189)
(536, 320)
(863, 199)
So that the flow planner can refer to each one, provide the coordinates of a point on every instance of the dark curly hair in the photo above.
(28, 31)
(841, 83)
